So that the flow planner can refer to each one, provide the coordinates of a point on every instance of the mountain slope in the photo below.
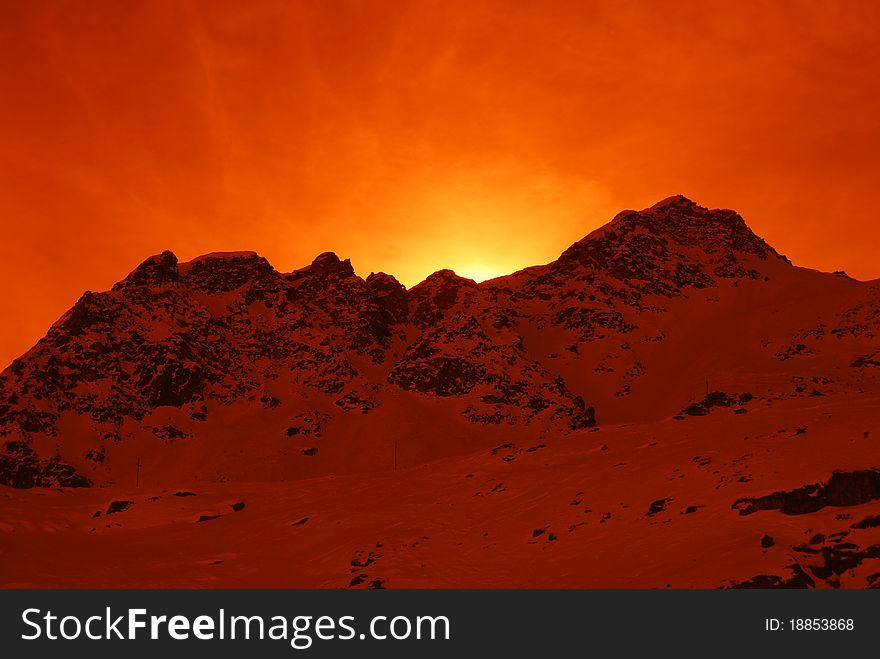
(669, 403)
(224, 369)
(647, 505)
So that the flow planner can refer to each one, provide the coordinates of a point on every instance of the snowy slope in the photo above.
(669, 360)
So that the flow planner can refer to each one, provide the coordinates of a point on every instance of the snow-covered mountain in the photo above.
(222, 368)
(669, 403)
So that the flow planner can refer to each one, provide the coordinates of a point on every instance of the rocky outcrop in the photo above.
(653, 250)
(844, 488)
(27, 471)
(716, 399)
(796, 579)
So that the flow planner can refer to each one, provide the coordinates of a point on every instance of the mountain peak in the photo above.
(219, 256)
(443, 285)
(438, 293)
(156, 270)
(689, 224)
(673, 244)
(327, 263)
(445, 278)
(221, 272)
(678, 200)
(682, 221)
(382, 281)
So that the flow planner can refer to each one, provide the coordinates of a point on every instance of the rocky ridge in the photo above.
(174, 348)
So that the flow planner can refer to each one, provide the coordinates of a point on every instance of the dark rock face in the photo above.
(716, 399)
(840, 558)
(651, 249)
(867, 360)
(797, 578)
(119, 506)
(221, 273)
(828, 558)
(172, 383)
(438, 375)
(461, 357)
(27, 472)
(329, 265)
(390, 307)
(590, 324)
(430, 301)
(308, 424)
(91, 310)
(657, 507)
(169, 432)
(844, 488)
(156, 271)
(868, 523)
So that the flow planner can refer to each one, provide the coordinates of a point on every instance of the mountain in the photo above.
(222, 373)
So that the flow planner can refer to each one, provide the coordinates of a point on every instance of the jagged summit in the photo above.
(222, 272)
(677, 200)
(673, 244)
(156, 270)
(439, 292)
(687, 223)
(632, 236)
(176, 352)
(382, 280)
(328, 263)
(219, 256)
(444, 278)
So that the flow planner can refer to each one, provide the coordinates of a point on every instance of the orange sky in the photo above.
(409, 136)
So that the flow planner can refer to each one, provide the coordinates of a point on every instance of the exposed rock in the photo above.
(872, 359)
(159, 270)
(28, 471)
(169, 432)
(658, 506)
(797, 578)
(119, 506)
(208, 518)
(717, 399)
(870, 522)
(844, 488)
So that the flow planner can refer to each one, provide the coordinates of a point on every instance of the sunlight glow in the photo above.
(479, 271)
